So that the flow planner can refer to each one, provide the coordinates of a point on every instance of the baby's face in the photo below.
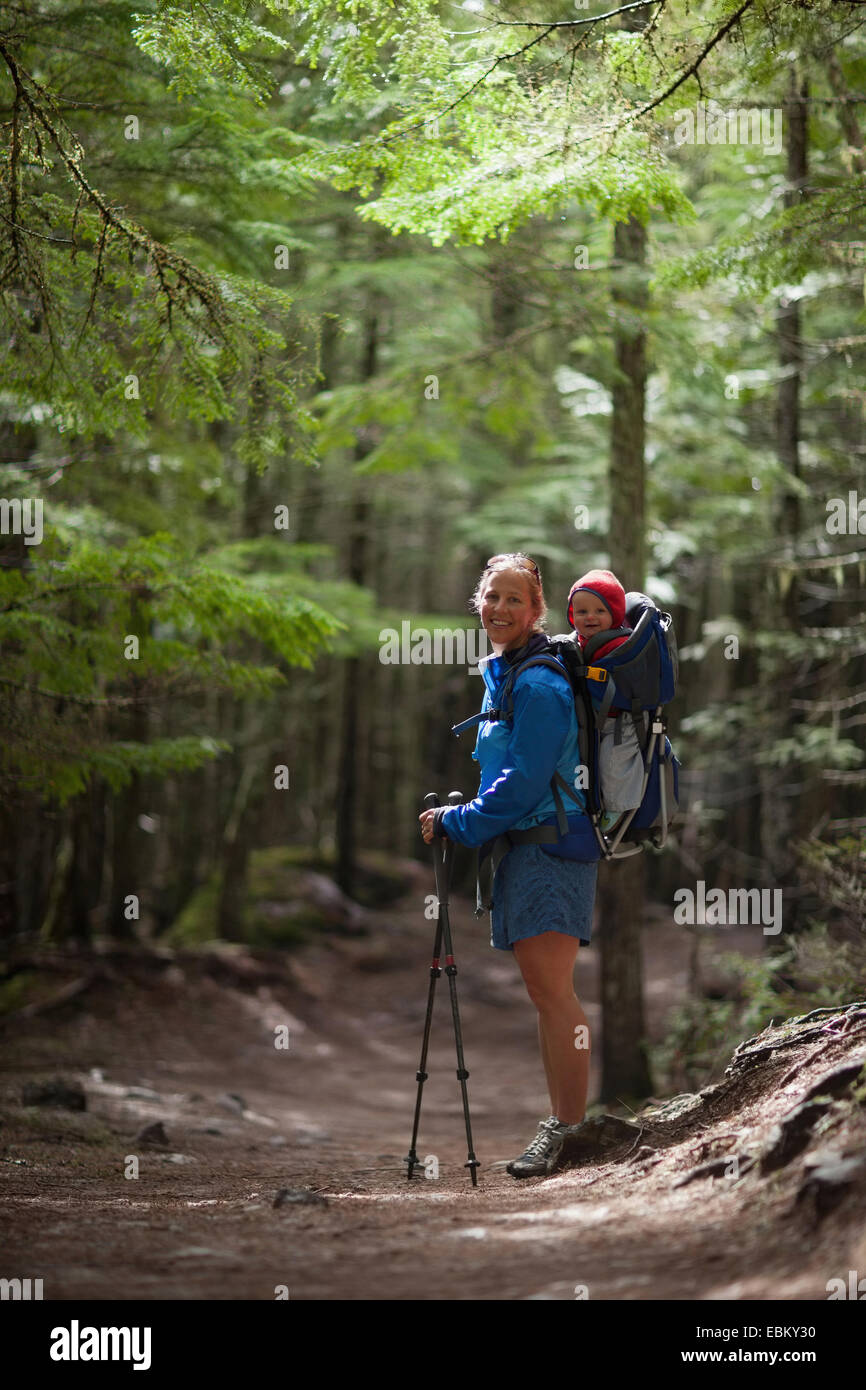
(589, 615)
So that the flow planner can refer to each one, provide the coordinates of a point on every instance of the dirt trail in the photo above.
(333, 1114)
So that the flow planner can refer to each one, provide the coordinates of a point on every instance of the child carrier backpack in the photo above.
(639, 678)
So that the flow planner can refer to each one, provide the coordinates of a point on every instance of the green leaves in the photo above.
(91, 631)
(207, 45)
(813, 745)
(118, 763)
(142, 276)
(488, 130)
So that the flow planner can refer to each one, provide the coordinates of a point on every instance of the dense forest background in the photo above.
(307, 310)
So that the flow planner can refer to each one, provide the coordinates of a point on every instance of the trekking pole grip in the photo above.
(431, 801)
(449, 847)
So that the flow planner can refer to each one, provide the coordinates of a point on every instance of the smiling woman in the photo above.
(542, 905)
(509, 608)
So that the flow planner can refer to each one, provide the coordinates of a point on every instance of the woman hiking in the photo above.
(542, 903)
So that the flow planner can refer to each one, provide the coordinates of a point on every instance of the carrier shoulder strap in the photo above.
(541, 834)
(505, 708)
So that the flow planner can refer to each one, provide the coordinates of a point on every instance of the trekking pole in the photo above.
(443, 855)
(451, 971)
(430, 801)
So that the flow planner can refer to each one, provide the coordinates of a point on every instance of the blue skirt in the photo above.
(535, 892)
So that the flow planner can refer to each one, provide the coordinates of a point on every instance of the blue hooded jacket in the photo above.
(518, 757)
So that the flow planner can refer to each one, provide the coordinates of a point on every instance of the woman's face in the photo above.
(507, 611)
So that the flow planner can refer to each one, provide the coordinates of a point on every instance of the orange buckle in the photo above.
(596, 673)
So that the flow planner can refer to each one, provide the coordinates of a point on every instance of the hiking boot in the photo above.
(543, 1154)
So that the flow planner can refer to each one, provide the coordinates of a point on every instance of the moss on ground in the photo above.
(31, 1123)
(278, 911)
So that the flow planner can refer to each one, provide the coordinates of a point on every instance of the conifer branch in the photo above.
(191, 282)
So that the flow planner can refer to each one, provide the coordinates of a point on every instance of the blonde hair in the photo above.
(515, 560)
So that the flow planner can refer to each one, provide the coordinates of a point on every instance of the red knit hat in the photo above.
(605, 586)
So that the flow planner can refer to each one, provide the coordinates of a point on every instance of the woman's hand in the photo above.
(426, 818)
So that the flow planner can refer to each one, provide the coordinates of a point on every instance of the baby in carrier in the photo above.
(596, 602)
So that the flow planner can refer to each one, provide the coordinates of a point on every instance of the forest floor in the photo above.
(188, 1040)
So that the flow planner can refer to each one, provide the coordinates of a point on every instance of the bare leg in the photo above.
(547, 965)
(548, 1068)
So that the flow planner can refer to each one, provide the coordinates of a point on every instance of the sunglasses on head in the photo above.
(521, 562)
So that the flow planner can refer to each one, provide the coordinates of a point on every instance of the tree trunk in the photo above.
(239, 836)
(128, 855)
(349, 750)
(621, 886)
(784, 806)
(790, 341)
